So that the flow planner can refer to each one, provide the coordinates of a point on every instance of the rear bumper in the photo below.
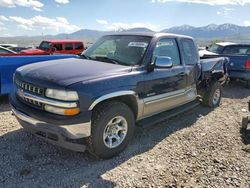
(240, 74)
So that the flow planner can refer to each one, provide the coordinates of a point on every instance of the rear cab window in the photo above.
(237, 50)
(190, 54)
(167, 47)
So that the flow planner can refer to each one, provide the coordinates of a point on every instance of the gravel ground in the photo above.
(200, 148)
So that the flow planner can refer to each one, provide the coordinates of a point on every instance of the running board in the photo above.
(167, 114)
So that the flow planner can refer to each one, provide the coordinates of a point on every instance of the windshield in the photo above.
(44, 46)
(215, 48)
(123, 50)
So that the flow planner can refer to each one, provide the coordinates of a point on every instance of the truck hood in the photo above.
(65, 72)
(33, 51)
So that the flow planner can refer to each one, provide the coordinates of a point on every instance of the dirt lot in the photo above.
(201, 148)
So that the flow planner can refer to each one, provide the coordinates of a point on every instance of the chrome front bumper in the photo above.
(63, 133)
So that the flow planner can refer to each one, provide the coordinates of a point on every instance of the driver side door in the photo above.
(165, 88)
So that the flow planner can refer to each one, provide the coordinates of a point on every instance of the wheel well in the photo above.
(129, 100)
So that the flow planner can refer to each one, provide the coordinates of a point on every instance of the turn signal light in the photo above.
(71, 112)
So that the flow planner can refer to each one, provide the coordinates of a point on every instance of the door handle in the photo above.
(181, 74)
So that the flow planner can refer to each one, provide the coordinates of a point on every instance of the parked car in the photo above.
(239, 55)
(246, 117)
(6, 52)
(57, 47)
(18, 48)
(118, 81)
(8, 65)
(8, 45)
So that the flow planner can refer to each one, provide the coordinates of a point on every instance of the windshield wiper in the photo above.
(114, 61)
(85, 56)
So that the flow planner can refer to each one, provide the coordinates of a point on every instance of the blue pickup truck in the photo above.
(8, 65)
(95, 100)
(239, 58)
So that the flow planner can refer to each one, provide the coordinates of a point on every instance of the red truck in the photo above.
(49, 47)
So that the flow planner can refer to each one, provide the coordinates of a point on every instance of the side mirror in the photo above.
(53, 49)
(163, 62)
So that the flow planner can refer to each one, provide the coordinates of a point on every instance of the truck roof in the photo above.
(63, 41)
(225, 43)
(151, 34)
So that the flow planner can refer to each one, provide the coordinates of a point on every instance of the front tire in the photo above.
(111, 130)
(212, 96)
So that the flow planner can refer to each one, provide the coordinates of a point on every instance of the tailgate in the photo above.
(238, 63)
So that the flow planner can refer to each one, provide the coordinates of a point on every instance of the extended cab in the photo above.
(56, 47)
(239, 58)
(96, 99)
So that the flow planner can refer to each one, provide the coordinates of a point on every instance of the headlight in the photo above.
(61, 111)
(62, 94)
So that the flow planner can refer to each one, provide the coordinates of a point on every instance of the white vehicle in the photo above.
(8, 45)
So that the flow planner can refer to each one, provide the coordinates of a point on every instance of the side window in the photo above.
(79, 46)
(167, 47)
(68, 46)
(189, 52)
(237, 50)
(58, 47)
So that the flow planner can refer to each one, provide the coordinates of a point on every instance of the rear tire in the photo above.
(212, 96)
(111, 130)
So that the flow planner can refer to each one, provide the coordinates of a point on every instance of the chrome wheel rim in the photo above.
(216, 97)
(115, 132)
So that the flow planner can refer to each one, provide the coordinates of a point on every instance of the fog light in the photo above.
(62, 111)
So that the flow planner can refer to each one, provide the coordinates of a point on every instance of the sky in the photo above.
(42, 17)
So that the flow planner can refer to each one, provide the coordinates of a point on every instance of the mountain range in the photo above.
(207, 32)
(210, 32)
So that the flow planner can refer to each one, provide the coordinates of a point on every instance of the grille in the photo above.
(31, 89)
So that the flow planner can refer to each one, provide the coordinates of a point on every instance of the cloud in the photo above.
(120, 25)
(3, 28)
(224, 11)
(208, 2)
(34, 4)
(102, 22)
(62, 1)
(247, 23)
(59, 24)
(3, 18)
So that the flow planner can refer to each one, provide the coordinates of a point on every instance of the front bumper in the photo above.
(67, 133)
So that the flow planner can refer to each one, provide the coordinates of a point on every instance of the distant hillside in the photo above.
(210, 32)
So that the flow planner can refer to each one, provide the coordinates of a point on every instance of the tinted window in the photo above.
(189, 51)
(169, 48)
(78, 46)
(58, 47)
(68, 46)
(237, 50)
